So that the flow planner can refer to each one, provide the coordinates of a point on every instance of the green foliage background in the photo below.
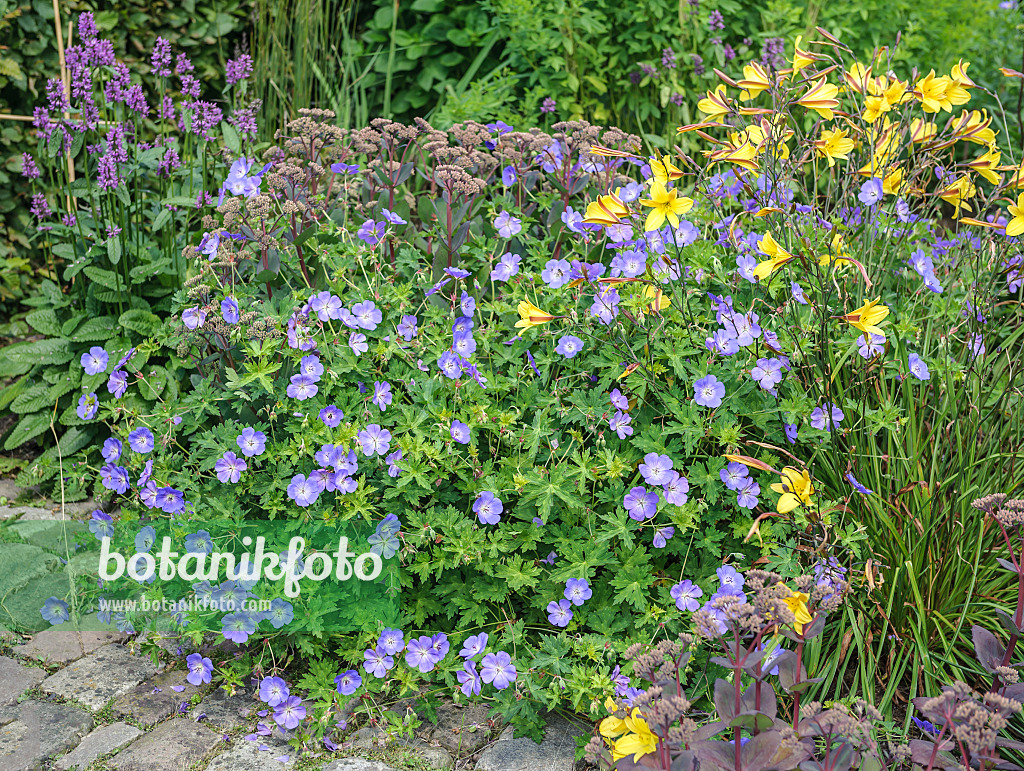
(451, 60)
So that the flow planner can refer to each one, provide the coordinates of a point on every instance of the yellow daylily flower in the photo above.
(1016, 225)
(933, 91)
(857, 77)
(796, 489)
(640, 740)
(606, 210)
(715, 105)
(801, 58)
(797, 602)
(868, 317)
(973, 126)
(531, 316)
(893, 180)
(821, 97)
(836, 255)
(957, 194)
(960, 82)
(743, 154)
(755, 80)
(922, 130)
(777, 257)
(987, 164)
(663, 171)
(959, 74)
(659, 301)
(664, 204)
(834, 144)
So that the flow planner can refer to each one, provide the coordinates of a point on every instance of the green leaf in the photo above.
(113, 251)
(161, 220)
(29, 427)
(106, 278)
(143, 322)
(101, 328)
(44, 320)
(179, 200)
(35, 398)
(231, 138)
(53, 350)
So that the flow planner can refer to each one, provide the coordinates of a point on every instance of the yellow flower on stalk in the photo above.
(973, 126)
(606, 210)
(959, 83)
(531, 316)
(664, 204)
(882, 94)
(821, 97)
(922, 130)
(836, 255)
(612, 726)
(777, 257)
(755, 80)
(857, 77)
(715, 105)
(1016, 225)
(796, 489)
(640, 740)
(893, 180)
(987, 164)
(960, 76)
(797, 602)
(933, 91)
(957, 193)
(658, 300)
(743, 153)
(663, 171)
(801, 58)
(834, 144)
(868, 317)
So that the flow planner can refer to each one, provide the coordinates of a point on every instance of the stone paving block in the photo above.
(246, 756)
(156, 698)
(9, 490)
(556, 753)
(225, 712)
(24, 512)
(460, 730)
(16, 678)
(172, 746)
(357, 764)
(41, 731)
(101, 676)
(60, 646)
(101, 741)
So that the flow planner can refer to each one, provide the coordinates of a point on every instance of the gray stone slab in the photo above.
(16, 678)
(226, 712)
(556, 753)
(9, 490)
(357, 764)
(24, 512)
(101, 741)
(460, 730)
(246, 756)
(101, 676)
(41, 731)
(155, 698)
(172, 746)
(372, 737)
(60, 646)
